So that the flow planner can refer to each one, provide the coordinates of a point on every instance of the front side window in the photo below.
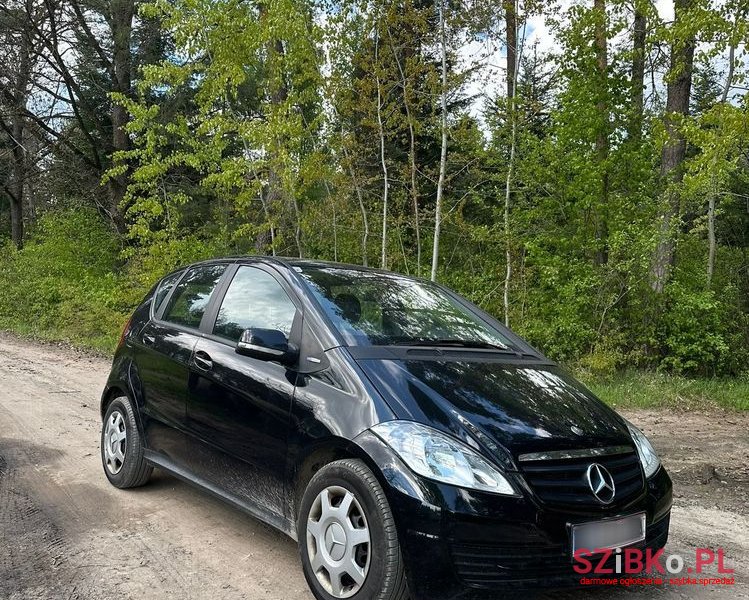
(371, 308)
(254, 299)
(191, 296)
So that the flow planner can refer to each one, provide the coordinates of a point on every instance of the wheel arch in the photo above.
(112, 392)
(324, 453)
(117, 390)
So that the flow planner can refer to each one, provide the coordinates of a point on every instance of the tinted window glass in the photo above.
(191, 296)
(254, 299)
(371, 308)
(164, 288)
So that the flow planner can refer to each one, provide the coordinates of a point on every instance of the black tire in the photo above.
(386, 579)
(133, 470)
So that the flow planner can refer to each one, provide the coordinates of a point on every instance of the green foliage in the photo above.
(251, 70)
(260, 127)
(62, 284)
(146, 266)
(693, 335)
(75, 281)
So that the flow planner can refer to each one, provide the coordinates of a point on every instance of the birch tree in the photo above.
(443, 147)
(383, 157)
(511, 28)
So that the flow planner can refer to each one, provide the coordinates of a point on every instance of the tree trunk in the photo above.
(365, 233)
(602, 135)
(508, 198)
(383, 161)
(279, 96)
(739, 18)
(674, 150)
(729, 77)
(511, 27)
(272, 198)
(638, 71)
(122, 14)
(335, 218)
(20, 91)
(512, 60)
(273, 192)
(414, 186)
(443, 150)
(712, 199)
(711, 237)
(30, 191)
(297, 226)
(411, 153)
(19, 174)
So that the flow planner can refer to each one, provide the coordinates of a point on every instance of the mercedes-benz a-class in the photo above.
(410, 443)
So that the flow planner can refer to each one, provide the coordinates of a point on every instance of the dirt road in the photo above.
(66, 533)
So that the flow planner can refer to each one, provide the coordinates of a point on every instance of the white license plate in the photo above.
(608, 534)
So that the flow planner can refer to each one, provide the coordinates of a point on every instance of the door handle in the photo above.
(202, 360)
(149, 340)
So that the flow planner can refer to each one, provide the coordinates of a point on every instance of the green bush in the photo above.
(559, 317)
(62, 284)
(147, 265)
(601, 363)
(74, 280)
(694, 333)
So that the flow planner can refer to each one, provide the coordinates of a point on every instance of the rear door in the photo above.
(239, 407)
(163, 354)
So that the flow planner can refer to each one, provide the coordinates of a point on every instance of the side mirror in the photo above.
(266, 344)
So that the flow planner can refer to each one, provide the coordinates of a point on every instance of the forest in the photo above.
(578, 168)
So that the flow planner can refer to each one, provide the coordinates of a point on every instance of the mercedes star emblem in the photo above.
(601, 483)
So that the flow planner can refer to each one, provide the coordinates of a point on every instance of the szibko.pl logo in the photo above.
(661, 568)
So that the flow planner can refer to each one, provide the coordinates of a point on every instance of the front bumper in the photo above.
(459, 543)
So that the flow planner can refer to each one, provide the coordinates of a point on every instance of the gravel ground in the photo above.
(66, 533)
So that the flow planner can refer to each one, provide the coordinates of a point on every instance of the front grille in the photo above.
(562, 481)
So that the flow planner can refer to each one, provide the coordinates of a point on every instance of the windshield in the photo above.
(371, 308)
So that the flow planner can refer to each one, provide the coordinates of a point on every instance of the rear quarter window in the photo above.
(163, 290)
(190, 299)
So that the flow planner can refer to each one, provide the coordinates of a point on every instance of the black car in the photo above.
(411, 444)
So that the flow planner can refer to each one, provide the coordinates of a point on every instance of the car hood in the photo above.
(509, 408)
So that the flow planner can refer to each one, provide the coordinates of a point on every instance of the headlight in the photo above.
(648, 457)
(442, 458)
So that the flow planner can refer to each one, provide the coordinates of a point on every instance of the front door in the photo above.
(239, 407)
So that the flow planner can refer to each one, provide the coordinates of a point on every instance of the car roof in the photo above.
(291, 262)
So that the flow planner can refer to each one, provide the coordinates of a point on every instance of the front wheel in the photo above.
(122, 446)
(347, 537)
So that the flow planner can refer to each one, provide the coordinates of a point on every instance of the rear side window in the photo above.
(165, 287)
(254, 299)
(191, 296)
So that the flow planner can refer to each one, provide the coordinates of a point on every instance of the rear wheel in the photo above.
(122, 446)
(347, 538)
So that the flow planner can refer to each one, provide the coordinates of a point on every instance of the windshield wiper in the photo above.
(455, 343)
